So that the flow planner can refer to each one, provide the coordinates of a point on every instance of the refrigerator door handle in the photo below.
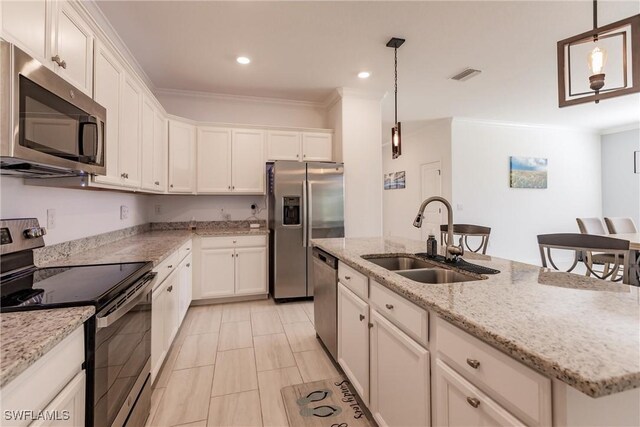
(305, 206)
(309, 211)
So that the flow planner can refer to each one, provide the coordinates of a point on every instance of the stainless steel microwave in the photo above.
(48, 128)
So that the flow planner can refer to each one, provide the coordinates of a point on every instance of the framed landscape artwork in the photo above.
(528, 172)
(395, 180)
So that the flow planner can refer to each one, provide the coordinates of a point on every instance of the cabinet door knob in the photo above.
(370, 325)
(389, 306)
(170, 266)
(157, 183)
(60, 62)
(189, 264)
(170, 288)
(233, 187)
(361, 317)
(473, 363)
(123, 175)
(171, 185)
(473, 402)
(347, 277)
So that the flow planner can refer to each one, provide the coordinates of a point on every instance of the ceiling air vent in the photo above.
(466, 74)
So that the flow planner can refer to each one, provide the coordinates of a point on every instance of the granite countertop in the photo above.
(580, 330)
(152, 246)
(29, 335)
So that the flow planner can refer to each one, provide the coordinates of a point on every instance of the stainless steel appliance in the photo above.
(306, 201)
(48, 128)
(325, 301)
(117, 338)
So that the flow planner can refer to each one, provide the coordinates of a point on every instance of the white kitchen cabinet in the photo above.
(158, 341)
(182, 157)
(130, 132)
(72, 46)
(70, 401)
(230, 265)
(214, 160)
(459, 403)
(185, 274)
(217, 273)
(154, 146)
(400, 382)
(247, 161)
(283, 145)
(353, 340)
(250, 270)
(172, 307)
(107, 87)
(316, 147)
(160, 148)
(26, 23)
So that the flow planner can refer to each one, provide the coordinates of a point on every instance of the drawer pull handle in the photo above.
(361, 317)
(347, 277)
(473, 402)
(473, 363)
(389, 306)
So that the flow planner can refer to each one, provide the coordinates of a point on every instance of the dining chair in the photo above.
(465, 231)
(620, 225)
(584, 244)
(591, 226)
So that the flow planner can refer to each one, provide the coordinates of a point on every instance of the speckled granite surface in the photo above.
(583, 331)
(27, 336)
(206, 225)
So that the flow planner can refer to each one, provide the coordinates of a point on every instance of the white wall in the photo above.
(422, 142)
(80, 213)
(480, 159)
(620, 186)
(203, 208)
(242, 110)
(361, 141)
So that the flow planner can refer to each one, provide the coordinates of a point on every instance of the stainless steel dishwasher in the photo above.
(325, 306)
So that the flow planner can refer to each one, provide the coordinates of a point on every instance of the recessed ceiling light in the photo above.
(364, 74)
(243, 60)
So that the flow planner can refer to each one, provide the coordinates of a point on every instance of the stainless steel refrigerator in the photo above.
(306, 201)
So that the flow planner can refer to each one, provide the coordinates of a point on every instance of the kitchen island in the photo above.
(574, 330)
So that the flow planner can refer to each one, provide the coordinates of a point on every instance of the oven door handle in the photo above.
(129, 302)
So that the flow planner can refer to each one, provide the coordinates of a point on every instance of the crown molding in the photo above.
(225, 125)
(621, 128)
(238, 98)
(103, 26)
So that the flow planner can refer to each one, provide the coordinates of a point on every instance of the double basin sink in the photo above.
(419, 270)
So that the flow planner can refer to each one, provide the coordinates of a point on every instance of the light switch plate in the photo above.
(124, 212)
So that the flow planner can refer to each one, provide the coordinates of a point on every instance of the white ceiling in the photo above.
(304, 50)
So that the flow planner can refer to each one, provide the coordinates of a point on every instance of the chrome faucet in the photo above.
(452, 252)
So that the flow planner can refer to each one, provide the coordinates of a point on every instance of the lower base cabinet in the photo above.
(400, 382)
(460, 403)
(69, 404)
(353, 340)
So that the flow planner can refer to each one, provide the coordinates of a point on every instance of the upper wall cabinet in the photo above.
(247, 161)
(72, 47)
(182, 157)
(26, 23)
(130, 132)
(54, 33)
(153, 157)
(300, 146)
(230, 161)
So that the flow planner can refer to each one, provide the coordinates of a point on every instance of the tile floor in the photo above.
(229, 361)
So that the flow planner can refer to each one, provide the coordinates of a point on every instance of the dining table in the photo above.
(634, 248)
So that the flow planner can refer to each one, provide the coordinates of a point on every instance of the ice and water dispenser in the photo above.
(291, 210)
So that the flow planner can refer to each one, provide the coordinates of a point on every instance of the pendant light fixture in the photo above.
(618, 42)
(396, 138)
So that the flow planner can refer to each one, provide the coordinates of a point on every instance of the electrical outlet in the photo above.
(51, 219)
(124, 212)
(158, 209)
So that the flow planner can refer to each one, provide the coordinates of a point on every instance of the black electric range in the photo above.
(117, 337)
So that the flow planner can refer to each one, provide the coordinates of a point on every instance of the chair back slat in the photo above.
(615, 252)
(621, 225)
(465, 231)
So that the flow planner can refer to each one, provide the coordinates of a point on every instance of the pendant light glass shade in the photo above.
(597, 59)
(396, 141)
